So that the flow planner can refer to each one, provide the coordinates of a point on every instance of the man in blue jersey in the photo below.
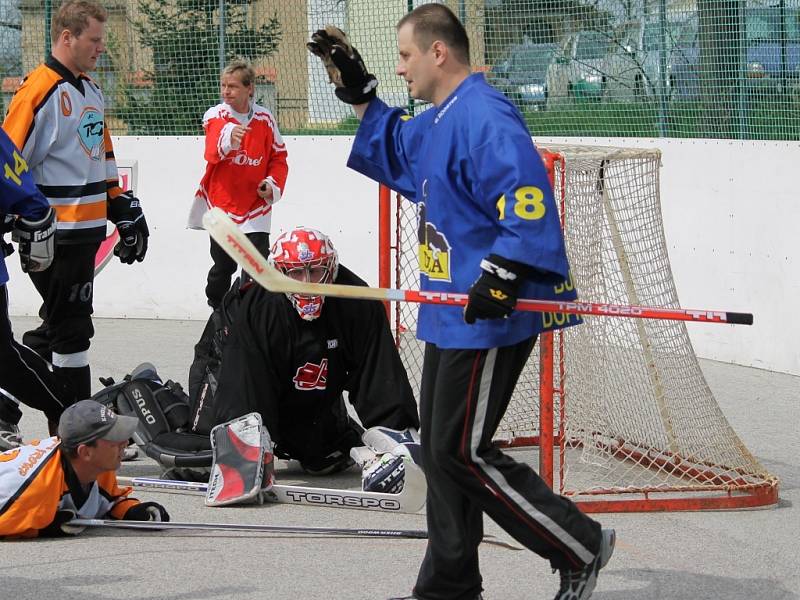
(24, 375)
(489, 225)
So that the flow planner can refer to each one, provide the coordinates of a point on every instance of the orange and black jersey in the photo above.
(37, 480)
(58, 121)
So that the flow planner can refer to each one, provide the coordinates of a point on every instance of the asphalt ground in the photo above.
(743, 555)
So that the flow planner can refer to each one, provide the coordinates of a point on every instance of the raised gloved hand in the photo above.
(37, 242)
(346, 70)
(126, 213)
(494, 293)
(147, 511)
(60, 526)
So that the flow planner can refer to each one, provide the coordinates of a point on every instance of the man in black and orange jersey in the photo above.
(46, 484)
(57, 120)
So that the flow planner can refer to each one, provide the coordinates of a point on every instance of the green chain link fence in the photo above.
(611, 68)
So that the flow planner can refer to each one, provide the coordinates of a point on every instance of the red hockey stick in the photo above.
(241, 249)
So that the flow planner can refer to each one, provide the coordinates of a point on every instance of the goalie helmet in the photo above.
(306, 255)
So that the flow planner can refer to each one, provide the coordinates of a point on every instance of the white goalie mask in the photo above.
(305, 254)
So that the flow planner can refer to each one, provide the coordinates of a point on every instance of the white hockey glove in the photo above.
(387, 456)
(385, 475)
(37, 242)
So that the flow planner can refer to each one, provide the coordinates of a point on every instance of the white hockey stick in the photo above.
(410, 500)
(242, 250)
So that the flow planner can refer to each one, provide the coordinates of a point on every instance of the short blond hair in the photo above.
(240, 65)
(74, 15)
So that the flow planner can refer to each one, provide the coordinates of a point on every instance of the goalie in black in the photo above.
(290, 357)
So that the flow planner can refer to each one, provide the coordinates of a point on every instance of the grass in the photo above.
(765, 116)
(346, 126)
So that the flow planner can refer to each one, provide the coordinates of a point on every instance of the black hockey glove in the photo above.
(126, 213)
(37, 241)
(494, 293)
(147, 511)
(6, 225)
(346, 69)
(60, 526)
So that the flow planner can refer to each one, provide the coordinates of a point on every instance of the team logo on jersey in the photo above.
(242, 159)
(90, 133)
(434, 250)
(66, 104)
(311, 376)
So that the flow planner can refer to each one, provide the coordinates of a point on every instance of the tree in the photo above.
(184, 36)
(510, 22)
(719, 36)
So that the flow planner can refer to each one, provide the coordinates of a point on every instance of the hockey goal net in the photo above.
(616, 412)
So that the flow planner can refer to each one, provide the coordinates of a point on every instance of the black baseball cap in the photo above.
(87, 421)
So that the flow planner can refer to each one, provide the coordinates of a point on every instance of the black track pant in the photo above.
(463, 398)
(67, 289)
(26, 376)
(219, 276)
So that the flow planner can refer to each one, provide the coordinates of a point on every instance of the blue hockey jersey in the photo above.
(18, 193)
(481, 188)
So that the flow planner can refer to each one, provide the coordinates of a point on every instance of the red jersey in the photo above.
(233, 173)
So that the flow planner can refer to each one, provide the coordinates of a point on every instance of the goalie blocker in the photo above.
(243, 464)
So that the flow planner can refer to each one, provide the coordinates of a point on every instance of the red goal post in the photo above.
(618, 416)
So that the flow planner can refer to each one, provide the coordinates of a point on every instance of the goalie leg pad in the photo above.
(241, 448)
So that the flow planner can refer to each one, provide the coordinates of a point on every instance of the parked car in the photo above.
(523, 75)
(771, 55)
(580, 68)
(635, 56)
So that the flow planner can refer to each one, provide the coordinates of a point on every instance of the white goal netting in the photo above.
(636, 425)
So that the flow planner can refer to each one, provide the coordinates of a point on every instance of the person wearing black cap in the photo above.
(43, 485)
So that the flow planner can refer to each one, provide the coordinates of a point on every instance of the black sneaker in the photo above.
(580, 583)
